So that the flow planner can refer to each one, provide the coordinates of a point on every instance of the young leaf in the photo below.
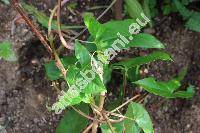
(105, 35)
(82, 54)
(134, 8)
(6, 51)
(118, 127)
(73, 122)
(141, 118)
(143, 60)
(53, 73)
(113, 27)
(94, 27)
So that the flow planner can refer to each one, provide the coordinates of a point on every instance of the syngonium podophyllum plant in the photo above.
(89, 71)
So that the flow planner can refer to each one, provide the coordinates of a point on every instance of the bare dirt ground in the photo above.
(25, 92)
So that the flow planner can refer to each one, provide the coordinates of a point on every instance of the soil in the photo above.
(25, 92)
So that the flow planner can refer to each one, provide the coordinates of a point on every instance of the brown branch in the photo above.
(118, 9)
(88, 128)
(18, 8)
(85, 115)
(121, 106)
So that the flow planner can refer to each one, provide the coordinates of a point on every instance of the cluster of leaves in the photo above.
(192, 17)
(168, 6)
(87, 57)
(149, 7)
(102, 37)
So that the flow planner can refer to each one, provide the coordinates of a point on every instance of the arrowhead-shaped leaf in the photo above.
(140, 118)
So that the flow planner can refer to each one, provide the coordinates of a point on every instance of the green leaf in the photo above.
(72, 96)
(53, 73)
(73, 122)
(182, 9)
(43, 19)
(6, 51)
(82, 54)
(105, 35)
(141, 40)
(152, 3)
(113, 27)
(167, 9)
(131, 126)
(157, 88)
(145, 41)
(94, 27)
(141, 119)
(86, 80)
(194, 22)
(186, 94)
(133, 8)
(83, 83)
(118, 127)
(143, 60)
(147, 11)
(133, 74)
(185, 2)
(164, 89)
(182, 74)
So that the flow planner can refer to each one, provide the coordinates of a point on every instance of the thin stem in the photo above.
(85, 115)
(59, 28)
(109, 123)
(107, 9)
(88, 128)
(118, 115)
(101, 104)
(127, 102)
(51, 19)
(56, 87)
(102, 100)
(96, 8)
(116, 121)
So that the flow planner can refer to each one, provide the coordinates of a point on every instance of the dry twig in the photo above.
(18, 8)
